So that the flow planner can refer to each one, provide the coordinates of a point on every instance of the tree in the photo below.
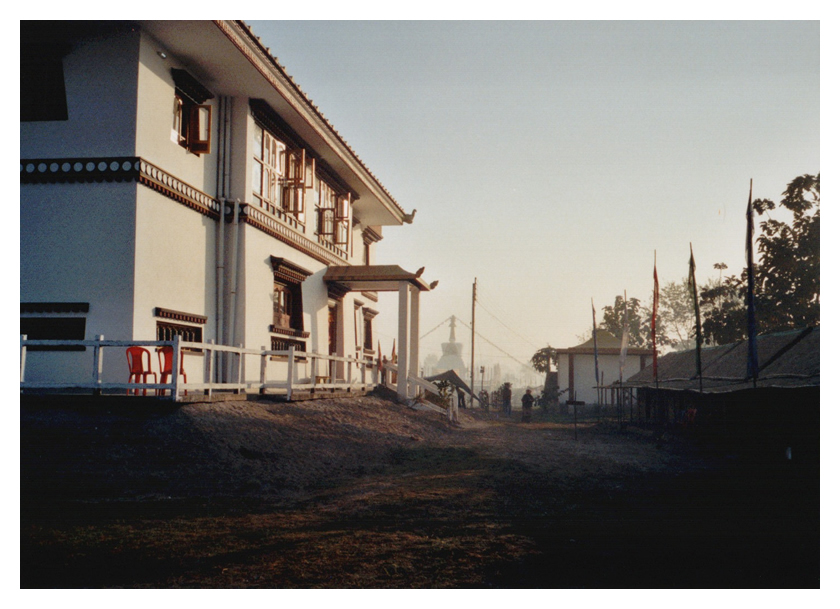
(675, 318)
(788, 274)
(541, 360)
(638, 321)
(723, 310)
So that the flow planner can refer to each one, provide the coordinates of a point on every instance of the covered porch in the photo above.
(390, 278)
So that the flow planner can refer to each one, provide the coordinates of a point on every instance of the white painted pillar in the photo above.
(414, 359)
(402, 342)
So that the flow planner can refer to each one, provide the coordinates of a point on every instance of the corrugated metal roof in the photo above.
(785, 359)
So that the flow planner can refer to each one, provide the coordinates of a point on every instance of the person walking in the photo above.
(506, 397)
(527, 405)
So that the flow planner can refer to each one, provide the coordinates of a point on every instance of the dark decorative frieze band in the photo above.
(54, 307)
(98, 169)
(170, 186)
(288, 331)
(117, 169)
(286, 271)
(180, 316)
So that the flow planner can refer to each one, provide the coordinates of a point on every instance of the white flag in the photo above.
(625, 340)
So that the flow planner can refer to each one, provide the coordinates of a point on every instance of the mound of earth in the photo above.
(361, 492)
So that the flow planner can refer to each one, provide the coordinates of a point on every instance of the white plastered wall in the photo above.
(608, 366)
(78, 246)
(254, 298)
(175, 267)
(156, 94)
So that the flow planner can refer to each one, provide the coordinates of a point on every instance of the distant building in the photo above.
(451, 358)
(576, 366)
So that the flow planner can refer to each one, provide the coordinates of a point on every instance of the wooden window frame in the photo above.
(288, 280)
(192, 122)
(288, 312)
(284, 176)
(167, 330)
(334, 216)
(368, 314)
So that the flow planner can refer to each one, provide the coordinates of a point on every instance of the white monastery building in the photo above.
(176, 181)
(576, 366)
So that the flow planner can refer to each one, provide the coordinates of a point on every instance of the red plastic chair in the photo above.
(165, 361)
(139, 367)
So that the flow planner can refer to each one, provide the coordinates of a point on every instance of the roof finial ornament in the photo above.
(409, 218)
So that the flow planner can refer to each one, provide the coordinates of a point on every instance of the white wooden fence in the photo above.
(302, 370)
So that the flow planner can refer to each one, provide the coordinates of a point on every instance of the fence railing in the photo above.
(303, 370)
(416, 386)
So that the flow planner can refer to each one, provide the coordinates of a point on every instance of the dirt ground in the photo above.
(364, 493)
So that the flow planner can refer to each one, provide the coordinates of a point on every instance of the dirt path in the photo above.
(360, 492)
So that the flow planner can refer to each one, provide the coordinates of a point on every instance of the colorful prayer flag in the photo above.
(595, 343)
(653, 317)
(752, 339)
(698, 334)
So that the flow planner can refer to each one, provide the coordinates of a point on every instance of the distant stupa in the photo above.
(451, 358)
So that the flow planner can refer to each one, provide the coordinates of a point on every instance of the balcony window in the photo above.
(280, 176)
(333, 216)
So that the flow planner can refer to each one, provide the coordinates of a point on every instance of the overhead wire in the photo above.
(489, 312)
(493, 345)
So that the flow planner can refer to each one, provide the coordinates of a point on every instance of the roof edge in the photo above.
(280, 71)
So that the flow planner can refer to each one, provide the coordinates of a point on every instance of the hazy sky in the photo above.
(550, 159)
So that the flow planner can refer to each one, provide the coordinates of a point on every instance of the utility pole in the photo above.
(472, 346)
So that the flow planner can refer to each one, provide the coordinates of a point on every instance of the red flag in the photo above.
(653, 318)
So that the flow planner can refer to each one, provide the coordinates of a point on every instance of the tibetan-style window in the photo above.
(188, 326)
(191, 117)
(369, 314)
(281, 175)
(334, 215)
(287, 297)
(168, 331)
(358, 325)
(287, 305)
